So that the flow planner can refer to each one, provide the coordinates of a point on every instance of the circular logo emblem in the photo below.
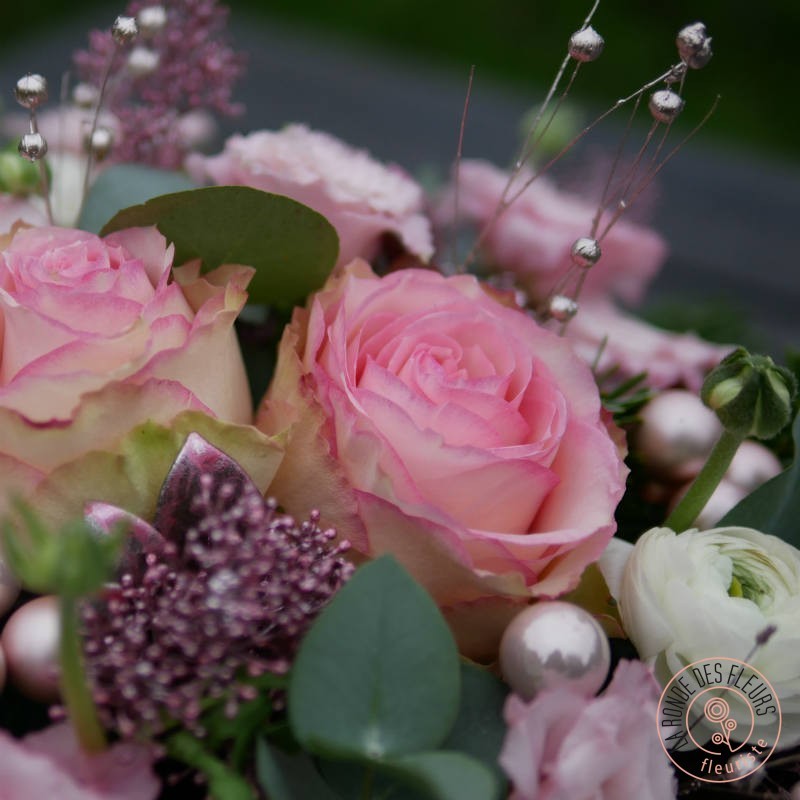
(719, 720)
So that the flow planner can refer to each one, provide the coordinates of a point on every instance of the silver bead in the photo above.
(562, 308)
(665, 105)
(702, 56)
(694, 45)
(85, 95)
(151, 20)
(99, 142)
(585, 252)
(32, 146)
(586, 44)
(124, 30)
(31, 91)
(142, 61)
(551, 645)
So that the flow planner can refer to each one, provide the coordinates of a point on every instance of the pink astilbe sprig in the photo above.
(193, 68)
(218, 591)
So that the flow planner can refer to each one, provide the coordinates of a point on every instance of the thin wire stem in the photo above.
(457, 169)
(95, 119)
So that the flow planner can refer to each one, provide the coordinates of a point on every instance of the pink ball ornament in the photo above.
(554, 644)
(677, 434)
(30, 642)
(752, 465)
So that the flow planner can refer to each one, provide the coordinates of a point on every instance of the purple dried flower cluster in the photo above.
(199, 610)
(194, 69)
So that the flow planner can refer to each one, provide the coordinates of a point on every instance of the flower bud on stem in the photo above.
(752, 396)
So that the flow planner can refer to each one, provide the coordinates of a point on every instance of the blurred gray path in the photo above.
(732, 220)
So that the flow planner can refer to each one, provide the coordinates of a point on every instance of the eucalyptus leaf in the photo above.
(126, 185)
(774, 507)
(479, 729)
(437, 775)
(285, 776)
(444, 775)
(291, 247)
(378, 674)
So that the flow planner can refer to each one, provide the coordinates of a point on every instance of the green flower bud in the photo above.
(17, 176)
(73, 561)
(750, 394)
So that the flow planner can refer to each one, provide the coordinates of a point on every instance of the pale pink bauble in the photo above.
(30, 641)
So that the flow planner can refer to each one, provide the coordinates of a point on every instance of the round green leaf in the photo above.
(775, 506)
(124, 185)
(445, 776)
(378, 674)
(479, 729)
(291, 247)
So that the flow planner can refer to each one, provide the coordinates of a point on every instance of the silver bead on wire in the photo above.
(124, 30)
(151, 20)
(586, 44)
(694, 45)
(665, 105)
(142, 61)
(562, 308)
(85, 95)
(585, 252)
(31, 91)
(99, 142)
(32, 146)
(677, 73)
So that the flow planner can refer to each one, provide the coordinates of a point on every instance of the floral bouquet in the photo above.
(484, 533)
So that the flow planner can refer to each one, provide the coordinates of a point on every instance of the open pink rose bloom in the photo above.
(437, 424)
(95, 338)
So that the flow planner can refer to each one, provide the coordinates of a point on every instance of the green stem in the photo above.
(703, 486)
(74, 686)
(366, 787)
(223, 782)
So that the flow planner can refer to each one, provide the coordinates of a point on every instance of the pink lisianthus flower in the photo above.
(96, 338)
(562, 747)
(441, 426)
(51, 764)
(623, 341)
(534, 236)
(360, 197)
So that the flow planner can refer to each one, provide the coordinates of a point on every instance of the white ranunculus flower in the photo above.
(705, 594)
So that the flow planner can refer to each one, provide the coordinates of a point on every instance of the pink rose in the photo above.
(436, 424)
(95, 338)
(669, 359)
(562, 747)
(51, 764)
(360, 197)
(534, 236)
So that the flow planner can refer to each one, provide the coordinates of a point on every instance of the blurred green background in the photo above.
(521, 42)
